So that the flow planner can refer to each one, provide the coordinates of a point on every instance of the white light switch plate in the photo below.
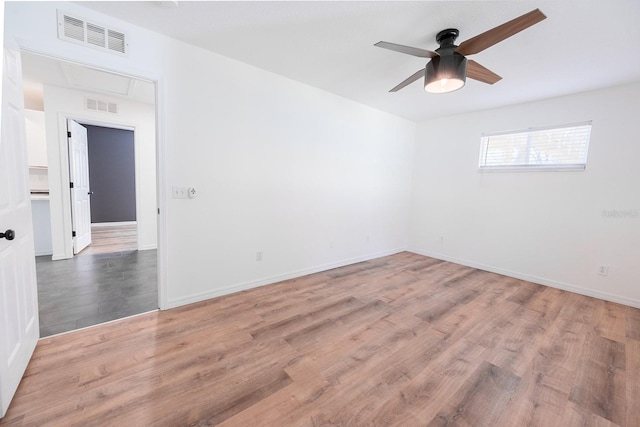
(179, 192)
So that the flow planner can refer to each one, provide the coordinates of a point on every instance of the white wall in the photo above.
(36, 139)
(60, 104)
(279, 167)
(547, 227)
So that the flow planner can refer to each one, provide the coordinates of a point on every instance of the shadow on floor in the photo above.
(91, 289)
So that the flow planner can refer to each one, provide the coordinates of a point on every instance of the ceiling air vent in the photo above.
(95, 35)
(98, 105)
(116, 41)
(79, 31)
(73, 28)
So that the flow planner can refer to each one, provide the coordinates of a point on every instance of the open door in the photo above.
(80, 189)
(19, 329)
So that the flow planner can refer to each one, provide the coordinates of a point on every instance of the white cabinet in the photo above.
(36, 138)
(37, 151)
(41, 225)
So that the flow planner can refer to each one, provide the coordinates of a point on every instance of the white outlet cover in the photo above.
(603, 270)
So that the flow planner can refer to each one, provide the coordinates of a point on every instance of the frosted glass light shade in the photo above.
(445, 73)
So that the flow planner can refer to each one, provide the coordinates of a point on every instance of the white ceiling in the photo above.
(38, 70)
(582, 45)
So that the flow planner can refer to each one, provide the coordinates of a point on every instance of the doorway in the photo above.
(112, 193)
(115, 281)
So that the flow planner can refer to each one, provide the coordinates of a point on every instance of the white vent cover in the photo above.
(99, 105)
(79, 31)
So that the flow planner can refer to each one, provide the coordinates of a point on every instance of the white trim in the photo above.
(508, 166)
(161, 198)
(63, 179)
(106, 123)
(124, 71)
(533, 168)
(98, 324)
(115, 123)
(161, 170)
(538, 128)
(112, 224)
(275, 279)
(122, 124)
(534, 279)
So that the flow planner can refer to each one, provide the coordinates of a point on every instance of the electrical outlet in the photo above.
(331, 243)
(603, 270)
(441, 239)
(259, 256)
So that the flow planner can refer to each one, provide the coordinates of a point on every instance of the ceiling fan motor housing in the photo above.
(446, 38)
(445, 73)
(448, 71)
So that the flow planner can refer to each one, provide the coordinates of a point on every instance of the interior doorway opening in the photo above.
(117, 277)
(112, 206)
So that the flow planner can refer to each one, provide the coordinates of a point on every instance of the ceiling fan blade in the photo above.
(478, 72)
(501, 32)
(417, 75)
(422, 53)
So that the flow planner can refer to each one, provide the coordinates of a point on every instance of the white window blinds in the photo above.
(551, 148)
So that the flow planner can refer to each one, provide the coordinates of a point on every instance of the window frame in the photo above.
(533, 167)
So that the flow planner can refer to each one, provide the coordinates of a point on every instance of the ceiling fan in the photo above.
(448, 68)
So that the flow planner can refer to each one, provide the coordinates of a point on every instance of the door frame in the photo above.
(161, 169)
(137, 168)
(59, 176)
(64, 174)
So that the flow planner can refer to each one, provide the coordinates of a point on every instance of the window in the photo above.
(551, 148)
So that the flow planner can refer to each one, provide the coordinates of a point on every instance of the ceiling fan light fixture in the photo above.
(445, 73)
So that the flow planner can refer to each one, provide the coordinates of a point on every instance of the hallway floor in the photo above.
(112, 238)
(91, 289)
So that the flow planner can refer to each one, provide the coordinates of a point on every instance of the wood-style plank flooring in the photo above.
(107, 239)
(403, 340)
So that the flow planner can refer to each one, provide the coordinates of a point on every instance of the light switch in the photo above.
(179, 192)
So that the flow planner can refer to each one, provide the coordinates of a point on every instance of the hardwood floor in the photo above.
(112, 238)
(403, 340)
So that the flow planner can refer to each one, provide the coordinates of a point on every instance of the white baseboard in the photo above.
(147, 247)
(43, 253)
(534, 279)
(275, 279)
(112, 224)
(58, 257)
(98, 324)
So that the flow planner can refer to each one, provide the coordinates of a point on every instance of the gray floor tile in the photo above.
(91, 289)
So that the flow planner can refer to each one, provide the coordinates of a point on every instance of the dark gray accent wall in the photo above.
(111, 174)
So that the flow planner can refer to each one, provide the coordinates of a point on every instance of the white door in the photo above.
(19, 329)
(80, 191)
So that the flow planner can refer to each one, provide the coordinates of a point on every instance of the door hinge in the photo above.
(158, 211)
(73, 234)
(71, 185)
(68, 134)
